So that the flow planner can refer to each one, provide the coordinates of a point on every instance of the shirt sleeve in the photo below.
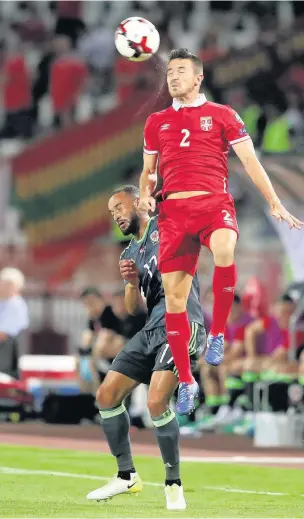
(91, 325)
(14, 319)
(111, 321)
(234, 127)
(151, 144)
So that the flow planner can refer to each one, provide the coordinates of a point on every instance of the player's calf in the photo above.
(116, 423)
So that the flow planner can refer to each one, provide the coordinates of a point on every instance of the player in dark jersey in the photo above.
(146, 358)
(190, 140)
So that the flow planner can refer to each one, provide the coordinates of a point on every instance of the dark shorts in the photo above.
(187, 224)
(149, 351)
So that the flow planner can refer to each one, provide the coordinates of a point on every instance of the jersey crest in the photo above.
(206, 124)
(154, 237)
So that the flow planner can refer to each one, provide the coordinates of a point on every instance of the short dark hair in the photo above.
(186, 54)
(91, 291)
(129, 189)
(236, 299)
(287, 298)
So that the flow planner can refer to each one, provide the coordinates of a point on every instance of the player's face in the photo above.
(93, 305)
(122, 207)
(182, 77)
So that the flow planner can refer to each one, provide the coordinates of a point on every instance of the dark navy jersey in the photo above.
(145, 254)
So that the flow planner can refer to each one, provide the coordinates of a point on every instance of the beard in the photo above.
(133, 228)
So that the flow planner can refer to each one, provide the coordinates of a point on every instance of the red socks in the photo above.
(224, 281)
(178, 336)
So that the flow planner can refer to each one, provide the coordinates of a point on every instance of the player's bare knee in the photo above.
(223, 254)
(108, 396)
(157, 405)
(176, 303)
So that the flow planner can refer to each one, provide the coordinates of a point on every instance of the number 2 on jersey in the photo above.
(184, 142)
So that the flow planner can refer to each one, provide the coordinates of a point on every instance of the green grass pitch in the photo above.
(31, 486)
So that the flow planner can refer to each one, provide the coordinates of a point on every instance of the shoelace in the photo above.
(217, 346)
(184, 390)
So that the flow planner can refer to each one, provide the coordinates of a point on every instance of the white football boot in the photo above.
(117, 486)
(175, 497)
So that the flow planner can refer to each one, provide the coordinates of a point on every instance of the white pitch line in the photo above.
(275, 460)
(24, 472)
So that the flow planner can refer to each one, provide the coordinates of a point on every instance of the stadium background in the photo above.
(63, 151)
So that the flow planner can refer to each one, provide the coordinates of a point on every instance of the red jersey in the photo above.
(68, 75)
(193, 143)
(17, 84)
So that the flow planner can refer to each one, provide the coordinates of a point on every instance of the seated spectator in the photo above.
(101, 341)
(67, 81)
(216, 381)
(42, 78)
(266, 344)
(15, 84)
(134, 76)
(131, 324)
(14, 318)
(100, 63)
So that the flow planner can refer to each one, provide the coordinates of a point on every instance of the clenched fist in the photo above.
(128, 271)
(147, 204)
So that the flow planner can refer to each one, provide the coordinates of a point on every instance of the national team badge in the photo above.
(154, 237)
(206, 124)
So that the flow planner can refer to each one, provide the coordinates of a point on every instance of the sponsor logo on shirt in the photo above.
(228, 289)
(239, 119)
(243, 131)
(142, 250)
(206, 123)
(154, 237)
(165, 127)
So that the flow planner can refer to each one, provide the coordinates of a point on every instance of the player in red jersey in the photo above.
(191, 140)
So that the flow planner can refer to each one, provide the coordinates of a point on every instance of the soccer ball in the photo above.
(136, 39)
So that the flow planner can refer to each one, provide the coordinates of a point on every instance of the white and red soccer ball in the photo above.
(136, 39)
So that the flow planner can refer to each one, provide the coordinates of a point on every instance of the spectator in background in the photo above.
(99, 61)
(41, 81)
(69, 19)
(222, 387)
(277, 136)
(100, 340)
(13, 318)
(133, 77)
(294, 115)
(15, 84)
(130, 324)
(68, 78)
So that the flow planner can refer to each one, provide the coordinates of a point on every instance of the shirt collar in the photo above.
(198, 102)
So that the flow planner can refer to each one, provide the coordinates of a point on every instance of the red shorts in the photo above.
(186, 224)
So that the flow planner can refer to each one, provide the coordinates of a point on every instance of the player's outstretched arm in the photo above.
(246, 153)
(147, 183)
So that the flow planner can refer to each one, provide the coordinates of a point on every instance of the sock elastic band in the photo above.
(165, 418)
(109, 413)
(234, 383)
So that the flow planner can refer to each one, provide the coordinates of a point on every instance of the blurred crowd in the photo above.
(258, 349)
(264, 348)
(59, 64)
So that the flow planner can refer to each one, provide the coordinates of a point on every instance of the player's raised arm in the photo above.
(246, 153)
